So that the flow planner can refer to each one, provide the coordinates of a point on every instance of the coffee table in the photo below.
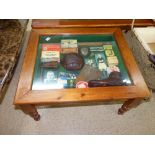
(35, 88)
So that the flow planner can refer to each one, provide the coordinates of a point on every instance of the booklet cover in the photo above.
(50, 52)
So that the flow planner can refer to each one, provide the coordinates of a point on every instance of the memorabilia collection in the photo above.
(78, 62)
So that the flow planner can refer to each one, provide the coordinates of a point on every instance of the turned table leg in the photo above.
(127, 105)
(31, 110)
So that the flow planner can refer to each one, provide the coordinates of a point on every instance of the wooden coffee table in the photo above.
(32, 92)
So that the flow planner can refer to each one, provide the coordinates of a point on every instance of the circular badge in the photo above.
(82, 84)
(84, 51)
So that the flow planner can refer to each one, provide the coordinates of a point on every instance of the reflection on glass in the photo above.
(78, 61)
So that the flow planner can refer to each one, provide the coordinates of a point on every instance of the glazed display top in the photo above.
(78, 61)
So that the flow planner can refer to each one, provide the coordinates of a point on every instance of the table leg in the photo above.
(31, 110)
(127, 105)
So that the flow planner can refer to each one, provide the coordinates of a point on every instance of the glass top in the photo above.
(78, 61)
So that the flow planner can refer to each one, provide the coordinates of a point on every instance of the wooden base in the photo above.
(128, 105)
(31, 110)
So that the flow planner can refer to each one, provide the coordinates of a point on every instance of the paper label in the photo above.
(69, 43)
(50, 52)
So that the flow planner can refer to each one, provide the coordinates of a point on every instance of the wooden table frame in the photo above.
(103, 23)
(27, 98)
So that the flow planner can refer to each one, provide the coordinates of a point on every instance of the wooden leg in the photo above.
(127, 105)
(31, 110)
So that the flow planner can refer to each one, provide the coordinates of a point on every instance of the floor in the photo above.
(100, 119)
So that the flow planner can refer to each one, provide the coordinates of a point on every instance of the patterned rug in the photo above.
(11, 34)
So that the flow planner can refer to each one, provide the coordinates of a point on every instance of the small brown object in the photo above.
(72, 61)
(114, 79)
(52, 65)
(69, 50)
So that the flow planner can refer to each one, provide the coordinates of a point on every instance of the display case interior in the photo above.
(78, 61)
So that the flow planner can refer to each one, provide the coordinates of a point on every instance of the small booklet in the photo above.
(50, 52)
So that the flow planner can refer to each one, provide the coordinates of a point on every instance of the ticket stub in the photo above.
(112, 61)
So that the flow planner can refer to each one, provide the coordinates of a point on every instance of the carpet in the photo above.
(141, 57)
